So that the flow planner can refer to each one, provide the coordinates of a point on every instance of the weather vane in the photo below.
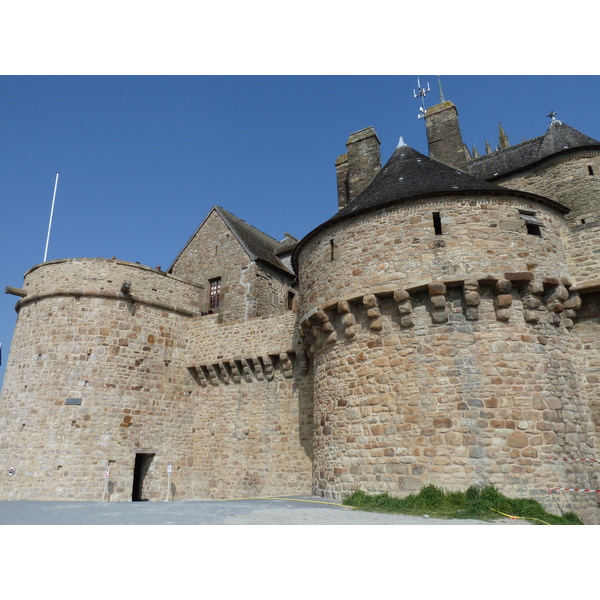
(422, 93)
(553, 118)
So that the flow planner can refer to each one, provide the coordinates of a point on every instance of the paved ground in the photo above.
(297, 510)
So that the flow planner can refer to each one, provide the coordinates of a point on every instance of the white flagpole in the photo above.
(51, 213)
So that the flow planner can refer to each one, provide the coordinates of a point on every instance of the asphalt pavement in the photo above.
(296, 510)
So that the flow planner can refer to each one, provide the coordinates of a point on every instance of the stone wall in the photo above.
(214, 252)
(253, 431)
(95, 377)
(248, 288)
(567, 180)
(399, 245)
(446, 359)
(583, 247)
(572, 180)
(587, 328)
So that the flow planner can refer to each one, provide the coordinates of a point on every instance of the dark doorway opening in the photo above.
(140, 469)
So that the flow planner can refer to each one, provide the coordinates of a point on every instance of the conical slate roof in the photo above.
(410, 174)
(558, 138)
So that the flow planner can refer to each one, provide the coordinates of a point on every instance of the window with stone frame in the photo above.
(533, 226)
(214, 298)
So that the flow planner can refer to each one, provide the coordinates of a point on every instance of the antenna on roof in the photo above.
(51, 213)
(422, 93)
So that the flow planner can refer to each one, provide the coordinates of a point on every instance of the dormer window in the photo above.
(533, 226)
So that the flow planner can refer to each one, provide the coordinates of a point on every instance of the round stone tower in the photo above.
(95, 402)
(438, 315)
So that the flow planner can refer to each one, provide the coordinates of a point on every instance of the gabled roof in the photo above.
(559, 138)
(258, 245)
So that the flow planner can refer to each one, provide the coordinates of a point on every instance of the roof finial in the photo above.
(503, 138)
(441, 91)
(553, 118)
(422, 93)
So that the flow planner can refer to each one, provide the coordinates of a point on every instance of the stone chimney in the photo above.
(443, 135)
(356, 169)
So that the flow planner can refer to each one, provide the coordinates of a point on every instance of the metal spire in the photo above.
(442, 99)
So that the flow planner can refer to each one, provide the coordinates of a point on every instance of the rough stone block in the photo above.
(401, 296)
(438, 302)
(472, 298)
(439, 316)
(504, 286)
(437, 289)
(370, 301)
(503, 300)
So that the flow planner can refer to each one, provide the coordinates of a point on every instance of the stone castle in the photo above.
(443, 327)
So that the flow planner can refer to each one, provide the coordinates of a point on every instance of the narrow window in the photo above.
(437, 223)
(331, 249)
(590, 170)
(290, 300)
(215, 293)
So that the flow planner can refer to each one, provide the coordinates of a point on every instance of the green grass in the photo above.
(476, 503)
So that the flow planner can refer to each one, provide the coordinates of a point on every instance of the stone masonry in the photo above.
(442, 327)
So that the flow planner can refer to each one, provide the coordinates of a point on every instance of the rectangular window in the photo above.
(533, 226)
(437, 223)
(290, 300)
(215, 293)
(590, 170)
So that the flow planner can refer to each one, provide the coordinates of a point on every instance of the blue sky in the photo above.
(142, 159)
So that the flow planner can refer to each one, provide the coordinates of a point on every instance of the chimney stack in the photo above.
(443, 136)
(356, 169)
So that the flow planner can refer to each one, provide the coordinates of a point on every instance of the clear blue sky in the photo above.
(142, 159)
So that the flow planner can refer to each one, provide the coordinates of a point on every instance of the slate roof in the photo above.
(559, 138)
(258, 245)
(410, 175)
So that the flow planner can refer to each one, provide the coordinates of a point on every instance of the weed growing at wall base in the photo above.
(476, 503)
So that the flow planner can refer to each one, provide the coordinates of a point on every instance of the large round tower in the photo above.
(96, 399)
(437, 312)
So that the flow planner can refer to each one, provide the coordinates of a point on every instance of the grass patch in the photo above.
(484, 504)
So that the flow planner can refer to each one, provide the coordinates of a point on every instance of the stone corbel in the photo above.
(503, 299)
(405, 308)
(373, 312)
(348, 320)
(472, 299)
(437, 296)
(532, 302)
